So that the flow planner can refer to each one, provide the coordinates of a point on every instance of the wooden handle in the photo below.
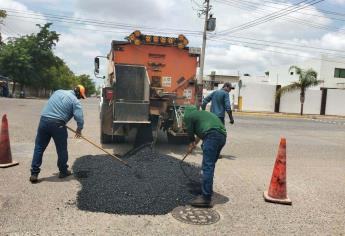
(99, 147)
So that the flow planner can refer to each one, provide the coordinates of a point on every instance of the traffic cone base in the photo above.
(13, 163)
(285, 201)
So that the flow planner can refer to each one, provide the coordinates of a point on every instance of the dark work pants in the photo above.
(50, 128)
(213, 143)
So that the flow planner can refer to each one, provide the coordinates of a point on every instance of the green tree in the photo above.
(3, 15)
(64, 78)
(15, 62)
(87, 82)
(307, 79)
(28, 60)
(40, 47)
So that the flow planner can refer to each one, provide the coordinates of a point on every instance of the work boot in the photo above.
(34, 179)
(65, 174)
(201, 201)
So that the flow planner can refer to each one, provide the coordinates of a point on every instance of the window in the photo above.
(339, 73)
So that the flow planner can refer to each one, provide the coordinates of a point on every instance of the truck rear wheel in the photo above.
(144, 135)
(105, 139)
(118, 139)
(177, 139)
(108, 139)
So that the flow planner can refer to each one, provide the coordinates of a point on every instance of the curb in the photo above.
(287, 115)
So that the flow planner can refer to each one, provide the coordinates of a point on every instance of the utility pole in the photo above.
(202, 56)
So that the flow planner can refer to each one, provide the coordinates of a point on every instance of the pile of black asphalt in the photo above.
(155, 184)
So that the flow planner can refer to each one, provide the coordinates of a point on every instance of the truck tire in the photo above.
(177, 139)
(105, 139)
(144, 135)
(118, 139)
(108, 139)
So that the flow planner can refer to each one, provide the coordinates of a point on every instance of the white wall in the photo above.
(281, 75)
(324, 67)
(290, 102)
(258, 97)
(335, 102)
(327, 72)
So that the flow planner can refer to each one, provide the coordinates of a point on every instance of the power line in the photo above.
(260, 6)
(198, 34)
(282, 53)
(285, 47)
(321, 10)
(68, 19)
(271, 16)
(290, 44)
(288, 18)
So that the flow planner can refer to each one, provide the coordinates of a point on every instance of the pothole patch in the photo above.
(82, 174)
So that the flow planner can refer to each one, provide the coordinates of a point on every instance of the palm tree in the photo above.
(307, 78)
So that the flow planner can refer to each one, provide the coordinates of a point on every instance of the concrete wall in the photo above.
(261, 97)
(327, 72)
(258, 97)
(281, 75)
(290, 102)
(335, 102)
(324, 67)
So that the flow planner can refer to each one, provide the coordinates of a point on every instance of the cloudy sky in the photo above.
(294, 30)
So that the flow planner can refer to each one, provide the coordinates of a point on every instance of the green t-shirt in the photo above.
(200, 122)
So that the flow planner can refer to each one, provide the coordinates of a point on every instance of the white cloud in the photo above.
(78, 47)
(341, 2)
(13, 25)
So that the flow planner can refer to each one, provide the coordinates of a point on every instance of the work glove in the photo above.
(78, 133)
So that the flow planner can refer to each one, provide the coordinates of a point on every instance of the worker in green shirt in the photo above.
(207, 127)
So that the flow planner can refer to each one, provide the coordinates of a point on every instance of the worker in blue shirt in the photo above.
(220, 102)
(61, 107)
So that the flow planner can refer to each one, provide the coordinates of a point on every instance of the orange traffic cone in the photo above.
(277, 190)
(5, 148)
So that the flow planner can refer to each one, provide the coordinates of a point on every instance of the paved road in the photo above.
(315, 176)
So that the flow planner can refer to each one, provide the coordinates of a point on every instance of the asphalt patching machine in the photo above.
(149, 81)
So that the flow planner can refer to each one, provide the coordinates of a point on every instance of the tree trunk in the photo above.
(302, 98)
(302, 109)
(13, 88)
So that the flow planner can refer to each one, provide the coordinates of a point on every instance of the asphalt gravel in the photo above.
(155, 184)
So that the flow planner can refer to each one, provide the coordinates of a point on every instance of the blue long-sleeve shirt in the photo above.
(63, 105)
(220, 102)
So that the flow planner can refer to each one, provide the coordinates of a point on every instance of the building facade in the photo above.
(213, 80)
(330, 70)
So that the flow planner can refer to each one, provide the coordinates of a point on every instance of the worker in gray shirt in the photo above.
(220, 102)
(61, 107)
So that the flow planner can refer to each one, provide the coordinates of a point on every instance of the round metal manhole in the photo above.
(195, 216)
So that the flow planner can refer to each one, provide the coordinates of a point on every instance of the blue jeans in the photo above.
(50, 128)
(212, 144)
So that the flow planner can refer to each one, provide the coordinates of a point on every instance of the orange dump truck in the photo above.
(150, 80)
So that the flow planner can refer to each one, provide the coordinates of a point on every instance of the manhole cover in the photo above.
(81, 174)
(195, 216)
